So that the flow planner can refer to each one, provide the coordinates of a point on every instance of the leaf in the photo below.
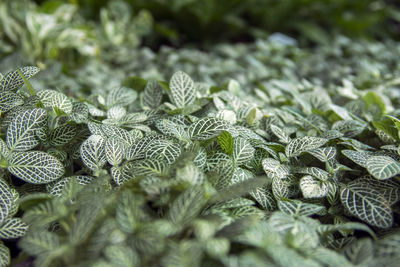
(92, 152)
(165, 149)
(359, 157)
(182, 89)
(225, 140)
(13, 228)
(114, 151)
(278, 132)
(173, 129)
(152, 95)
(187, 205)
(121, 96)
(39, 242)
(6, 200)
(121, 256)
(297, 207)
(367, 204)
(359, 251)
(265, 198)
(303, 144)
(62, 135)
(143, 167)
(382, 167)
(312, 188)
(324, 154)
(55, 100)
(243, 151)
(35, 167)
(21, 131)
(9, 100)
(388, 188)
(5, 256)
(207, 128)
(115, 113)
(12, 81)
(274, 169)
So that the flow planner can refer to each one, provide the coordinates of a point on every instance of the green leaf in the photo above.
(39, 242)
(187, 205)
(225, 140)
(55, 100)
(382, 167)
(152, 95)
(303, 144)
(265, 198)
(143, 167)
(297, 207)
(324, 154)
(243, 151)
(372, 98)
(274, 169)
(278, 132)
(367, 204)
(173, 129)
(12, 81)
(13, 228)
(92, 152)
(21, 134)
(35, 167)
(121, 256)
(6, 200)
(5, 256)
(182, 89)
(388, 188)
(9, 100)
(359, 157)
(359, 251)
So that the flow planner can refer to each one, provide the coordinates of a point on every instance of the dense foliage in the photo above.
(265, 153)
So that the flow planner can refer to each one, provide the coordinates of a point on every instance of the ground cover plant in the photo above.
(265, 153)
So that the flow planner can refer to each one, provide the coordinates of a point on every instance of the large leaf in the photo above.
(12, 81)
(93, 152)
(207, 128)
(55, 100)
(40, 241)
(383, 167)
(302, 144)
(182, 89)
(35, 167)
(13, 228)
(367, 204)
(21, 134)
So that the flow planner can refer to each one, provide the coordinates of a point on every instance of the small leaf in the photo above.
(114, 151)
(303, 144)
(121, 96)
(312, 188)
(368, 205)
(324, 154)
(274, 169)
(182, 89)
(152, 95)
(173, 129)
(39, 242)
(278, 132)
(382, 167)
(296, 207)
(62, 135)
(9, 100)
(5, 256)
(359, 157)
(165, 149)
(6, 200)
(35, 167)
(225, 141)
(121, 256)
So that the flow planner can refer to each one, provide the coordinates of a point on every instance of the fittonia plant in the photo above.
(179, 173)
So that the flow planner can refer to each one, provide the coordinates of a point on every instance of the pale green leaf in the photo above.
(121, 96)
(6, 200)
(207, 128)
(5, 256)
(92, 152)
(303, 144)
(9, 100)
(382, 167)
(243, 151)
(182, 89)
(312, 188)
(54, 99)
(12, 81)
(13, 228)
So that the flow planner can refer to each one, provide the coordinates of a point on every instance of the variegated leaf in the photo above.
(303, 144)
(207, 128)
(173, 129)
(383, 167)
(121, 96)
(312, 188)
(152, 95)
(6, 200)
(21, 131)
(182, 89)
(274, 169)
(143, 167)
(114, 151)
(324, 154)
(13, 228)
(54, 99)
(359, 157)
(92, 152)
(5, 256)
(296, 207)
(9, 100)
(368, 205)
(243, 151)
(12, 81)
(62, 135)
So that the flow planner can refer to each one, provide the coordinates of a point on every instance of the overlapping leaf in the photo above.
(303, 144)
(182, 89)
